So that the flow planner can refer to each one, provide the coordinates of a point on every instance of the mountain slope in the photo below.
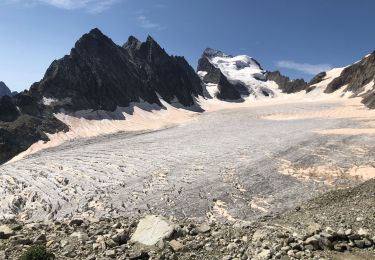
(358, 78)
(355, 80)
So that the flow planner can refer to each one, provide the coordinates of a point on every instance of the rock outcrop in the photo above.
(358, 78)
(285, 83)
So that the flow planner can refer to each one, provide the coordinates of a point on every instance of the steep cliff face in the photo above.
(169, 76)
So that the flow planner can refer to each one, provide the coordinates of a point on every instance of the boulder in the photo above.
(151, 229)
(6, 232)
(81, 236)
(176, 245)
(204, 228)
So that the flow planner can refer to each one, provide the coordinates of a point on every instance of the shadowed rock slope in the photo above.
(98, 74)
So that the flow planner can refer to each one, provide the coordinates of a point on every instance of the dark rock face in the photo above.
(8, 109)
(356, 77)
(98, 74)
(285, 84)
(24, 121)
(4, 90)
(318, 78)
(171, 77)
(227, 90)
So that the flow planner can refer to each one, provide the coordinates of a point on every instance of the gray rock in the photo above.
(325, 243)
(314, 228)
(6, 232)
(176, 245)
(341, 233)
(204, 228)
(151, 229)
(40, 239)
(363, 232)
(76, 222)
(81, 236)
(121, 237)
(110, 253)
(259, 235)
(341, 247)
(368, 242)
(264, 254)
(359, 243)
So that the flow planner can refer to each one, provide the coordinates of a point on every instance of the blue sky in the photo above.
(298, 37)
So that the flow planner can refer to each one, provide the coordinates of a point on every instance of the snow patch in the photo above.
(201, 74)
(47, 101)
(368, 87)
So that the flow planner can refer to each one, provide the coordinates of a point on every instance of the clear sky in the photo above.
(298, 37)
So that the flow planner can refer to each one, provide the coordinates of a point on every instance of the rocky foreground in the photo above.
(336, 225)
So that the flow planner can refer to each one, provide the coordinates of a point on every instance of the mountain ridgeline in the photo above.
(98, 74)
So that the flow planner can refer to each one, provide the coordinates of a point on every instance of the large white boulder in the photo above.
(152, 229)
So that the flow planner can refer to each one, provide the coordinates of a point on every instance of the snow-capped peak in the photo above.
(241, 68)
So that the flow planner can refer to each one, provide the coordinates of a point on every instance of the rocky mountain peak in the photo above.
(132, 43)
(95, 40)
(210, 53)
